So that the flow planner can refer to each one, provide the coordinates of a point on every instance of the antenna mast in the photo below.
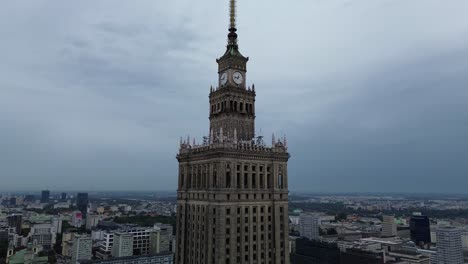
(232, 14)
(232, 36)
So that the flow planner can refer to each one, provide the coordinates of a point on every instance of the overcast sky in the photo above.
(372, 94)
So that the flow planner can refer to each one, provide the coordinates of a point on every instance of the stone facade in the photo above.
(233, 189)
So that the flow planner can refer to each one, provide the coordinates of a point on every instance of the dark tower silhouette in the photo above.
(420, 229)
(82, 203)
(45, 196)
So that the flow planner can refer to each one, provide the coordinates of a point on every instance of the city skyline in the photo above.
(98, 102)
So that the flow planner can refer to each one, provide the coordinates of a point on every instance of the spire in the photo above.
(232, 36)
(232, 13)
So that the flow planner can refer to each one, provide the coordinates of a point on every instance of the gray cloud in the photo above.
(372, 94)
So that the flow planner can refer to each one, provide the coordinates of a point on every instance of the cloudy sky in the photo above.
(372, 94)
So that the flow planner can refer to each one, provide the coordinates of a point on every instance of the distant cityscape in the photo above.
(118, 227)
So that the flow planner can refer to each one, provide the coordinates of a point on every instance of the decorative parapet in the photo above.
(219, 142)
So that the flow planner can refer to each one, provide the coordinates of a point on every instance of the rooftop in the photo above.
(230, 143)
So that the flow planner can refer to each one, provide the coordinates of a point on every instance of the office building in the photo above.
(67, 244)
(63, 196)
(389, 227)
(43, 234)
(159, 242)
(15, 221)
(123, 245)
(309, 226)
(449, 245)
(82, 248)
(232, 188)
(316, 252)
(82, 203)
(92, 220)
(141, 240)
(163, 258)
(420, 230)
(45, 196)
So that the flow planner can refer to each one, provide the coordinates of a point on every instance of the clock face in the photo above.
(237, 77)
(223, 78)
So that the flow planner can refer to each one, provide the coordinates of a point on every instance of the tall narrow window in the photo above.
(280, 180)
(215, 179)
(228, 179)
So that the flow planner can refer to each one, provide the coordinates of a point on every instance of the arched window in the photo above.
(241, 107)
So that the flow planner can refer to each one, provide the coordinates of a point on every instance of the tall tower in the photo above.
(232, 197)
(449, 245)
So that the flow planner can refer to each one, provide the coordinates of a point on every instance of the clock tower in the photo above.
(232, 196)
(232, 103)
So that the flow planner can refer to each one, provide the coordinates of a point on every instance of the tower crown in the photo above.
(232, 105)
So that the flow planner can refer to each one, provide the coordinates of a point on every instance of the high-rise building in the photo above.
(123, 245)
(45, 196)
(389, 227)
(449, 245)
(160, 239)
(43, 234)
(233, 188)
(420, 229)
(141, 240)
(309, 226)
(15, 221)
(82, 203)
(63, 196)
(82, 248)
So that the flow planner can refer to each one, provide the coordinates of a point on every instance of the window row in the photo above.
(232, 106)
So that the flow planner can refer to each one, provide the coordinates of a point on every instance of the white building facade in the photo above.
(449, 245)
